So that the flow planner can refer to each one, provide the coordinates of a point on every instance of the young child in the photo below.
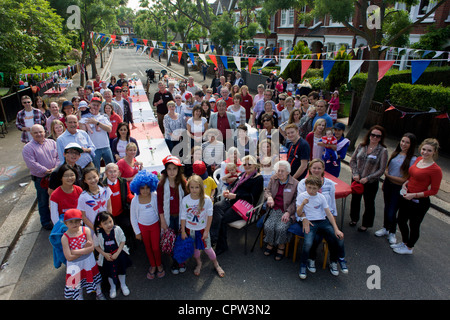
(267, 170)
(333, 106)
(88, 92)
(199, 168)
(315, 215)
(171, 190)
(196, 217)
(94, 198)
(83, 114)
(231, 173)
(82, 270)
(145, 219)
(186, 110)
(113, 253)
(329, 154)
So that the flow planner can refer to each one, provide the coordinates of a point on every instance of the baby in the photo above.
(329, 154)
(84, 113)
(231, 173)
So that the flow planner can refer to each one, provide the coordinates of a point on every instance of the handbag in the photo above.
(242, 207)
(167, 241)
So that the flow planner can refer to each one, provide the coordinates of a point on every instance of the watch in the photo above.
(98, 123)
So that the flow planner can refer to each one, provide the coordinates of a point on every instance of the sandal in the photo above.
(280, 254)
(220, 271)
(150, 275)
(352, 223)
(197, 270)
(268, 251)
(161, 273)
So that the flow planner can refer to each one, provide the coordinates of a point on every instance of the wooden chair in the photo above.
(297, 240)
(255, 213)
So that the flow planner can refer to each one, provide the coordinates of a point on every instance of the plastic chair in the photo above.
(219, 182)
(242, 224)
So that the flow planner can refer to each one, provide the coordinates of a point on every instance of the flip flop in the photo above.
(150, 276)
(160, 274)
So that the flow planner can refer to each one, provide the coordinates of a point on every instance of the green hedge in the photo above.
(421, 97)
(432, 75)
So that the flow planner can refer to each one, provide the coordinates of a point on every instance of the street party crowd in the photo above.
(229, 151)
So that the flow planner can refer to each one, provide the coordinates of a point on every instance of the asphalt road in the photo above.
(375, 272)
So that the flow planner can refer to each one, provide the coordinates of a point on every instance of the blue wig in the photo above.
(144, 178)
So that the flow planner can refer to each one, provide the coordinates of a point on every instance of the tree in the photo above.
(341, 11)
(30, 35)
(293, 68)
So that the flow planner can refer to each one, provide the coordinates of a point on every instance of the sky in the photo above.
(133, 4)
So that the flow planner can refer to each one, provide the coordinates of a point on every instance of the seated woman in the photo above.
(119, 144)
(280, 195)
(129, 166)
(248, 187)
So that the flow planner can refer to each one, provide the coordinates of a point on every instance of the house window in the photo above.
(287, 18)
(124, 30)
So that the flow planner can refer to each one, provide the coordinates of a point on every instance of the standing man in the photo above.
(101, 127)
(225, 96)
(73, 134)
(224, 121)
(259, 107)
(298, 152)
(321, 108)
(160, 100)
(191, 87)
(108, 96)
(41, 158)
(27, 117)
(54, 115)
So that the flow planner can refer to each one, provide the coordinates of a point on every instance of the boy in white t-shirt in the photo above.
(315, 215)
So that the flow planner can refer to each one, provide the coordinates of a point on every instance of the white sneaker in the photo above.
(382, 232)
(403, 250)
(113, 293)
(392, 238)
(334, 269)
(397, 245)
(311, 265)
(125, 290)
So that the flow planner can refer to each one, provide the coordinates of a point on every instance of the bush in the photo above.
(421, 97)
(433, 75)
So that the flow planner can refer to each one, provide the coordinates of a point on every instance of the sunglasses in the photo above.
(281, 99)
(378, 136)
(26, 101)
(266, 120)
(246, 164)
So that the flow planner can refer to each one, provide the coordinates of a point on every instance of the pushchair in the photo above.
(150, 75)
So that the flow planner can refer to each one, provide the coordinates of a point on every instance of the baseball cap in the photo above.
(97, 99)
(67, 103)
(188, 95)
(72, 214)
(199, 168)
(172, 159)
(339, 126)
(75, 146)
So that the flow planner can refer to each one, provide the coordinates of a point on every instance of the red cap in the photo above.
(172, 159)
(96, 99)
(199, 167)
(188, 95)
(72, 214)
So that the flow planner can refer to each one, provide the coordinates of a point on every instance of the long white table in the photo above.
(151, 142)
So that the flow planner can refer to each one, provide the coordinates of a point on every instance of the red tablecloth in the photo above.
(53, 92)
(145, 129)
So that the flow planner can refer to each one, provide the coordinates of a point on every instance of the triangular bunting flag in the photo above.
(163, 44)
(169, 53)
(160, 51)
(151, 50)
(213, 59)
(145, 41)
(383, 67)
(426, 52)
(265, 62)
(154, 43)
(318, 56)
(327, 66)
(197, 46)
(237, 62)
(305, 66)
(224, 61)
(417, 68)
(283, 64)
(202, 56)
(438, 53)
(251, 61)
(180, 53)
(205, 46)
(353, 67)
(135, 41)
(191, 55)
(212, 48)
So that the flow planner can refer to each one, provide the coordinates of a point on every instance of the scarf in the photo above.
(242, 179)
(166, 205)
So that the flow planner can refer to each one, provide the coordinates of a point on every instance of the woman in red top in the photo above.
(114, 118)
(425, 177)
(129, 166)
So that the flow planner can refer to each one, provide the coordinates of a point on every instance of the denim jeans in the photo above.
(43, 202)
(104, 153)
(392, 196)
(325, 228)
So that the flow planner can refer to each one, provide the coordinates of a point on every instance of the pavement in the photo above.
(15, 215)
